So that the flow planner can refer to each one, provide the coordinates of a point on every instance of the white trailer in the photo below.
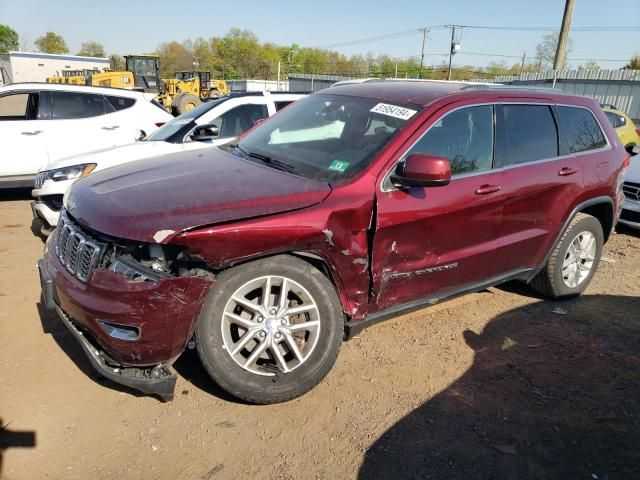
(17, 67)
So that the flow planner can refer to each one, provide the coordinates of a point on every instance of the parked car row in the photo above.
(211, 124)
(349, 207)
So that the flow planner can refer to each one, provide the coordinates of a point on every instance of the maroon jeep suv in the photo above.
(351, 206)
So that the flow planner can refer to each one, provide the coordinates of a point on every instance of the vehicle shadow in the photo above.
(188, 364)
(14, 439)
(548, 396)
(15, 194)
(53, 326)
(191, 369)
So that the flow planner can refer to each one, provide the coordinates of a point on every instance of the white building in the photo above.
(18, 67)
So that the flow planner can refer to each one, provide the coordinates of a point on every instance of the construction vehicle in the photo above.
(142, 72)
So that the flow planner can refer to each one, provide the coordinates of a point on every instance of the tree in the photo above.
(546, 49)
(51, 43)
(634, 64)
(8, 39)
(116, 63)
(589, 65)
(91, 49)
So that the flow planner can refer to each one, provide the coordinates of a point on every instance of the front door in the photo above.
(434, 240)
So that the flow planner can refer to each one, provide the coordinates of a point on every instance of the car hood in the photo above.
(153, 200)
(116, 155)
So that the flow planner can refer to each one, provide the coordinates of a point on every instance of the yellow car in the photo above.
(626, 130)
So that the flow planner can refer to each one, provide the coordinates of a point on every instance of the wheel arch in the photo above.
(319, 262)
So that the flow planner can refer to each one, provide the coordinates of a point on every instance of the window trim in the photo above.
(386, 186)
(602, 131)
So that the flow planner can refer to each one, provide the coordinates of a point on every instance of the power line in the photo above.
(627, 28)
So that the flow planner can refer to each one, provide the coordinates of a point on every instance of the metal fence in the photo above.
(620, 88)
(308, 82)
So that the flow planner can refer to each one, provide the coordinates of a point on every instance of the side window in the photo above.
(580, 129)
(239, 119)
(71, 105)
(19, 106)
(526, 133)
(120, 103)
(464, 136)
(281, 105)
(613, 119)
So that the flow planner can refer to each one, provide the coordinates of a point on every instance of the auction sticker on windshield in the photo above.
(394, 111)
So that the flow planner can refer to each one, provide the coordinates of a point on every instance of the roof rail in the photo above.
(501, 86)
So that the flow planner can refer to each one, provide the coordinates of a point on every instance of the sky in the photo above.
(139, 27)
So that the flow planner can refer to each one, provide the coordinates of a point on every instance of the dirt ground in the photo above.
(491, 386)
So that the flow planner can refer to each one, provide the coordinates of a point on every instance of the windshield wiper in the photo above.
(279, 164)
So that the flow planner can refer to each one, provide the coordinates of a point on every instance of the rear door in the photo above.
(78, 123)
(22, 134)
(541, 181)
(438, 239)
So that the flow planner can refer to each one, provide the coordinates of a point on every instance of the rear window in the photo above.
(616, 120)
(281, 105)
(580, 129)
(120, 103)
(14, 106)
(527, 133)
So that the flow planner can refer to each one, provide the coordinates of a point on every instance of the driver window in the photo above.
(464, 136)
(239, 119)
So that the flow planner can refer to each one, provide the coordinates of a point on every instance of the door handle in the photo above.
(485, 189)
(34, 132)
(113, 127)
(566, 171)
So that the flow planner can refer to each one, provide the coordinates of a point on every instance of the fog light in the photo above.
(121, 332)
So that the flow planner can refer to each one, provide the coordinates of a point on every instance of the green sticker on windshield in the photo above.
(339, 166)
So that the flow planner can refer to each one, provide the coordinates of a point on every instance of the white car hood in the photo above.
(633, 172)
(109, 157)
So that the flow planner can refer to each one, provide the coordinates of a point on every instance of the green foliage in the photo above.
(634, 63)
(116, 63)
(8, 39)
(91, 49)
(51, 43)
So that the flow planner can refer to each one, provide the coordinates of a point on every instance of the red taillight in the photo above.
(159, 124)
(626, 161)
(638, 131)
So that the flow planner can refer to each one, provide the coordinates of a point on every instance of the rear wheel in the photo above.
(270, 330)
(574, 261)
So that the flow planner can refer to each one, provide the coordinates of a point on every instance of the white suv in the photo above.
(214, 123)
(42, 122)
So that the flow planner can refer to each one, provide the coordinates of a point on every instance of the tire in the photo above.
(629, 148)
(267, 379)
(553, 281)
(185, 102)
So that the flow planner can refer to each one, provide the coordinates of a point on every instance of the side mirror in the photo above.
(203, 133)
(422, 170)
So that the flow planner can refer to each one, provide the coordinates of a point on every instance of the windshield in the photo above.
(327, 137)
(142, 66)
(182, 123)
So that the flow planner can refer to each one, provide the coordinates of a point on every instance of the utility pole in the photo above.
(561, 52)
(424, 39)
(524, 58)
(396, 70)
(451, 51)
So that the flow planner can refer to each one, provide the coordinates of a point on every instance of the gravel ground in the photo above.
(498, 384)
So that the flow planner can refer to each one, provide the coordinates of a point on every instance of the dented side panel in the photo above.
(336, 230)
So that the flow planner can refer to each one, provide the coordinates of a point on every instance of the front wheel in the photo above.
(574, 261)
(270, 330)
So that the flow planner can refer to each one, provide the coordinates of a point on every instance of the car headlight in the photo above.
(70, 173)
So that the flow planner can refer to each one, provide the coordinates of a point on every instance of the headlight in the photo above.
(70, 173)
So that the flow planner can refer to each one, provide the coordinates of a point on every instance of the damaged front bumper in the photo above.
(102, 312)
